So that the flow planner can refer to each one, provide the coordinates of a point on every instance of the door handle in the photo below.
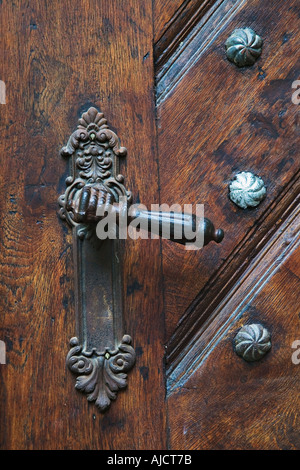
(87, 203)
(101, 355)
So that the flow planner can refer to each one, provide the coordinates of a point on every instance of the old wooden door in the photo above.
(192, 121)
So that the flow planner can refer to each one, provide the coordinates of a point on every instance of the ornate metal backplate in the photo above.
(95, 150)
(100, 354)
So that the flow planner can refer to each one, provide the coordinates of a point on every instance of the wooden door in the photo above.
(191, 121)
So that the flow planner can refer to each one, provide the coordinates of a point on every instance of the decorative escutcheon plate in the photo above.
(100, 355)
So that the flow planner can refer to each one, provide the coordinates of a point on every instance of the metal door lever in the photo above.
(100, 354)
(86, 203)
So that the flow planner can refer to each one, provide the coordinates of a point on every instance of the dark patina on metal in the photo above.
(243, 47)
(100, 354)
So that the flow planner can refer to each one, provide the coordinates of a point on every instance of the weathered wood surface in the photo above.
(174, 21)
(212, 120)
(225, 402)
(217, 120)
(57, 59)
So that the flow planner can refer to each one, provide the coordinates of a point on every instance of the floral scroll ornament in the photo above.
(100, 375)
(94, 150)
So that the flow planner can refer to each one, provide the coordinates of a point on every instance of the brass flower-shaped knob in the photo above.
(252, 342)
(243, 47)
(247, 190)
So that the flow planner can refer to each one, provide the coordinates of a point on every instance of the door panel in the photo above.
(59, 58)
(225, 402)
(215, 121)
(207, 121)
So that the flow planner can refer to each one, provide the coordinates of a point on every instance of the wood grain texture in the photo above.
(179, 49)
(173, 23)
(165, 12)
(199, 319)
(216, 121)
(58, 58)
(228, 403)
(213, 120)
(259, 268)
